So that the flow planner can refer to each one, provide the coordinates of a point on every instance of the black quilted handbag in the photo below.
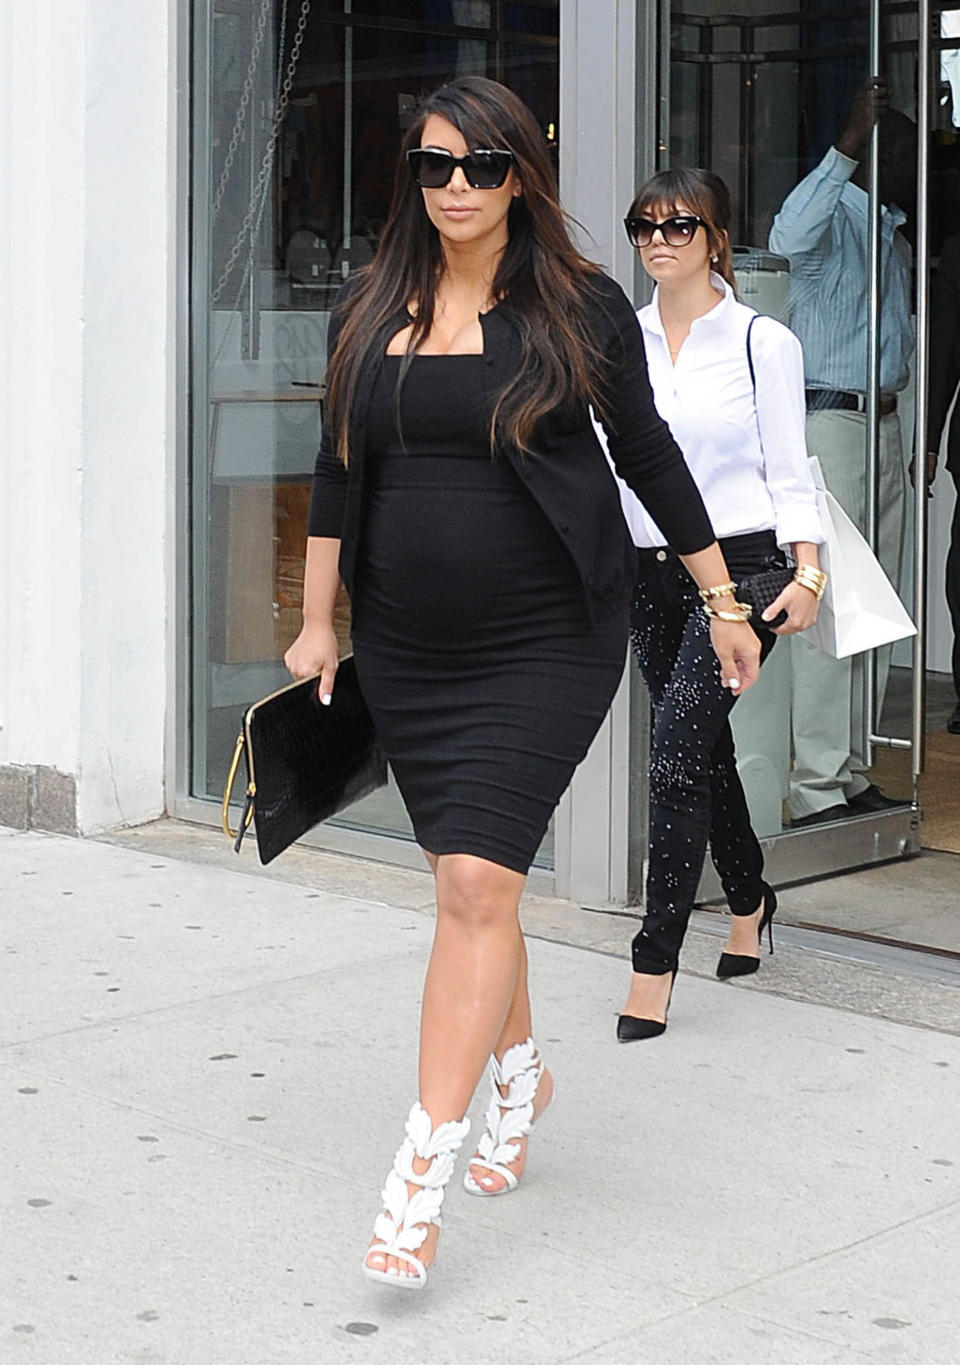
(759, 590)
(304, 761)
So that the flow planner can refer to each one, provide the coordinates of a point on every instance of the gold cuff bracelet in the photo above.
(719, 590)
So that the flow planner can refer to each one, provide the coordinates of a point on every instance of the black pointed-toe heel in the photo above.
(630, 1029)
(736, 964)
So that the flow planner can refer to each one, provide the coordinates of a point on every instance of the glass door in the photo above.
(834, 128)
(298, 110)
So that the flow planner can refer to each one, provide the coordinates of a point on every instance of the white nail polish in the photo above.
(326, 699)
(734, 682)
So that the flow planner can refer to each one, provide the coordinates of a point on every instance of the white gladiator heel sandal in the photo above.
(520, 1072)
(401, 1229)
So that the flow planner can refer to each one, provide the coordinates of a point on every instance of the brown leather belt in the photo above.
(830, 400)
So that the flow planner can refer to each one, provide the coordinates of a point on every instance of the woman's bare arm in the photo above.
(315, 650)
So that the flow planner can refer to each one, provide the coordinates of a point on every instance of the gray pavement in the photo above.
(205, 1070)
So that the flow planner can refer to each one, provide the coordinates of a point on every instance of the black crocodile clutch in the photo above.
(305, 762)
(759, 590)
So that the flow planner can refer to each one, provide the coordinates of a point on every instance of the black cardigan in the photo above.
(566, 471)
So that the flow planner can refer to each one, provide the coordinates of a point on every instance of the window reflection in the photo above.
(761, 98)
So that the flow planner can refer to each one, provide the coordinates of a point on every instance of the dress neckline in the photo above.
(479, 355)
(438, 355)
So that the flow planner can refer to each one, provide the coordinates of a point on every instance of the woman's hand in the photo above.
(315, 650)
(737, 648)
(801, 606)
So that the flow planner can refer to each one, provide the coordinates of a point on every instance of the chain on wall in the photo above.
(243, 106)
(249, 231)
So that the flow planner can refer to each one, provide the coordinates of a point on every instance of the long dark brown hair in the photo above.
(700, 192)
(541, 276)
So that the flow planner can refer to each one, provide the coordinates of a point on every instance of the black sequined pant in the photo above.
(695, 792)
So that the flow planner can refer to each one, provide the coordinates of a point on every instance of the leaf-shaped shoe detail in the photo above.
(516, 1123)
(429, 1141)
(523, 1088)
(434, 1177)
(487, 1146)
(520, 1057)
(394, 1196)
(509, 1116)
(423, 1209)
(401, 1228)
(418, 1126)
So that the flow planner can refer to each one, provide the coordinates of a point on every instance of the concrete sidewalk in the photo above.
(205, 1072)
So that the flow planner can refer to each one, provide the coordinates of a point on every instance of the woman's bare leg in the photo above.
(517, 1028)
(474, 969)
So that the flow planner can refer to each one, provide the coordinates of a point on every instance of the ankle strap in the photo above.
(429, 1141)
(437, 1145)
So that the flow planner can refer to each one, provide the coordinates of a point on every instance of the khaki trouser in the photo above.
(827, 693)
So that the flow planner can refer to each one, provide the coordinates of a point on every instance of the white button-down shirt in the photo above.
(747, 452)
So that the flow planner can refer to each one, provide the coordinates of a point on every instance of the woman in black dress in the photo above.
(462, 496)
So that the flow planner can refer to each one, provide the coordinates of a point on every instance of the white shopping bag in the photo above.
(860, 609)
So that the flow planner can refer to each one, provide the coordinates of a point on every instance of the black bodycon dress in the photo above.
(485, 676)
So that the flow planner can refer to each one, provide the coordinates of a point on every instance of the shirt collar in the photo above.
(651, 321)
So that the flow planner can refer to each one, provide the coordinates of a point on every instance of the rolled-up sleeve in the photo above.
(641, 447)
(806, 213)
(781, 419)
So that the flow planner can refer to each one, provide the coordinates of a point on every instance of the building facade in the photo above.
(179, 213)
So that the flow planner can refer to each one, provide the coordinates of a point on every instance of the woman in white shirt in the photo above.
(730, 385)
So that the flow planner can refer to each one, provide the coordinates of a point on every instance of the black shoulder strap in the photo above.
(753, 378)
(753, 373)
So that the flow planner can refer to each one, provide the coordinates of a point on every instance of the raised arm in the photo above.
(805, 215)
(806, 212)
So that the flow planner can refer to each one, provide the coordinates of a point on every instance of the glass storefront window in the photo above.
(299, 108)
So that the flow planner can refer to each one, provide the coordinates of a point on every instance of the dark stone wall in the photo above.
(38, 798)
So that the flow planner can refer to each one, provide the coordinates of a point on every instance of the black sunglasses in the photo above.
(432, 167)
(679, 230)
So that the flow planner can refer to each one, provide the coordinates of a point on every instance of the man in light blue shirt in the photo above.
(823, 230)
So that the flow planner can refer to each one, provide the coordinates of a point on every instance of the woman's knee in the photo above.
(476, 892)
